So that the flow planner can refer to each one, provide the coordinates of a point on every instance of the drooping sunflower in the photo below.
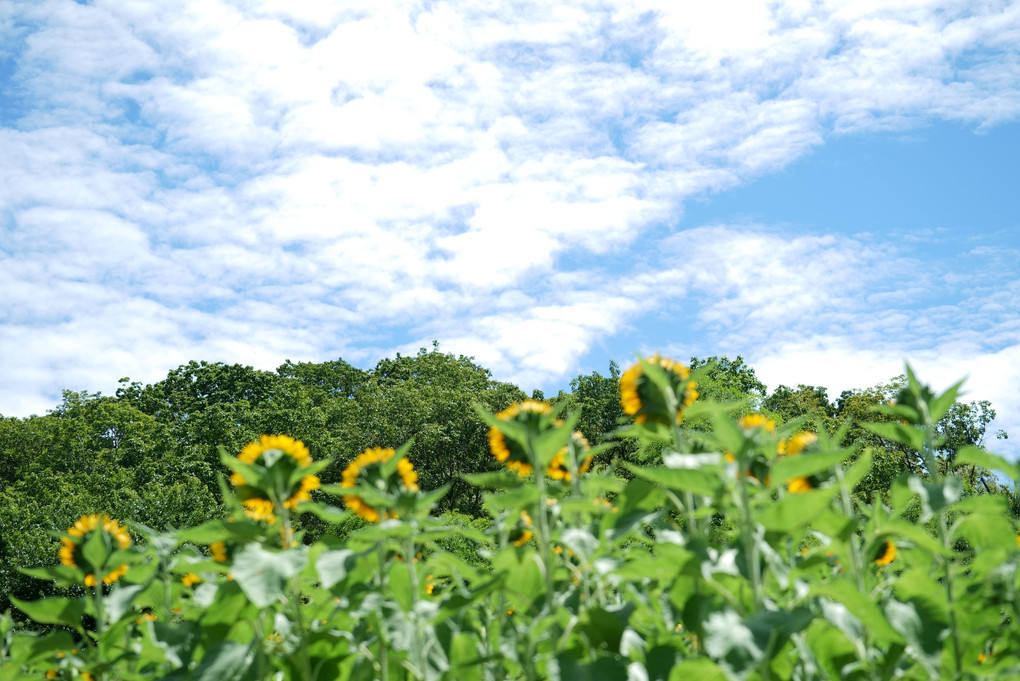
(296, 456)
(793, 446)
(642, 399)
(521, 533)
(510, 452)
(886, 553)
(71, 546)
(367, 467)
(558, 470)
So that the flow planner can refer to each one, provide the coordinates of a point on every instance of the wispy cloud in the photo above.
(254, 181)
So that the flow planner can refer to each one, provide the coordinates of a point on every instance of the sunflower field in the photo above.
(735, 550)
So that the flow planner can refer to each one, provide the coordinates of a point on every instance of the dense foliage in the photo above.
(150, 452)
(725, 532)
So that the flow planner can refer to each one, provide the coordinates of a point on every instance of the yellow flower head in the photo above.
(191, 579)
(218, 549)
(507, 451)
(797, 443)
(296, 453)
(641, 399)
(288, 445)
(886, 553)
(792, 446)
(259, 510)
(368, 467)
(755, 421)
(70, 552)
(558, 470)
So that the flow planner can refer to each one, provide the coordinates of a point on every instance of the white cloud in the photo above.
(256, 180)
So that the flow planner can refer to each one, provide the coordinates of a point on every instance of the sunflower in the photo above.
(521, 533)
(640, 398)
(259, 510)
(218, 549)
(886, 553)
(755, 421)
(299, 457)
(367, 466)
(793, 446)
(78, 534)
(558, 470)
(507, 451)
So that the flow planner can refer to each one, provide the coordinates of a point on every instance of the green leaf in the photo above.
(333, 566)
(975, 456)
(399, 583)
(701, 482)
(938, 406)
(605, 626)
(860, 606)
(524, 586)
(263, 575)
(177, 642)
(796, 510)
(65, 611)
(859, 470)
(935, 495)
(804, 465)
(119, 600)
(95, 551)
(501, 479)
(226, 661)
(698, 668)
(61, 574)
(904, 434)
(465, 658)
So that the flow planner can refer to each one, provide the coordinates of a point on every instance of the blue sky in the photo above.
(825, 188)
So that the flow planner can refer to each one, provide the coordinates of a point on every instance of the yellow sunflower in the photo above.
(557, 469)
(507, 451)
(793, 446)
(259, 510)
(753, 421)
(640, 398)
(367, 465)
(299, 456)
(71, 546)
(886, 553)
(218, 549)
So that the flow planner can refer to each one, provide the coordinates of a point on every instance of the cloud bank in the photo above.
(251, 181)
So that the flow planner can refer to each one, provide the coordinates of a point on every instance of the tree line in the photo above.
(149, 453)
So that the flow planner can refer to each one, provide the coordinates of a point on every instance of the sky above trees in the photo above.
(823, 187)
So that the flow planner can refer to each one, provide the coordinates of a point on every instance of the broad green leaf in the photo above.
(65, 611)
(524, 586)
(860, 606)
(701, 482)
(332, 566)
(61, 574)
(263, 575)
(974, 456)
(859, 470)
(804, 465)
(119, 600)
(176, 641)
(399, 583)
(226, 661)
(904, 434)
(796, 510)
(936, 495)
(701, 669)
(501, 479)
(465, 658)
